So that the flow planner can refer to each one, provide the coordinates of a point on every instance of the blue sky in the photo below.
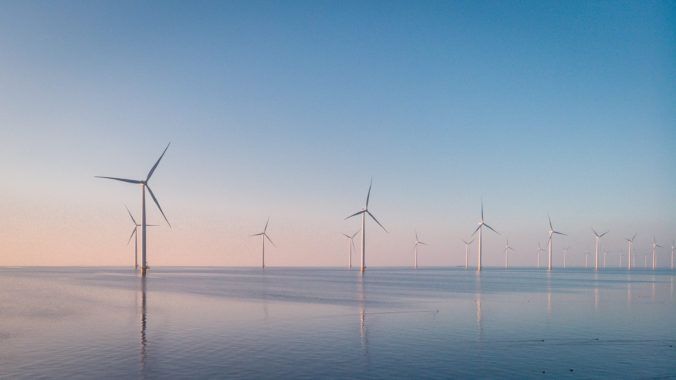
(287, 109)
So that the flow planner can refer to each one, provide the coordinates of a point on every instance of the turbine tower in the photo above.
(551, 231)
(363, 213)
(467, 251)
(598, 237)
(264, 236)
(507, 249)
(144, 185)
(350, 244)
(655, 245)
(630, 243)
(673, 245)
(415, 250)
(480, 229)
(134, 233)
(565, 255)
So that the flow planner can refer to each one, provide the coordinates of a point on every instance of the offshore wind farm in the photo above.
(481, 129)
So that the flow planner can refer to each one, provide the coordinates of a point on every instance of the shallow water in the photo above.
(319, 323)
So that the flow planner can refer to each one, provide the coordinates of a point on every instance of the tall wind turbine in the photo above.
(507, 249)
(551, 231)
(134, 233)
(540, 249)
(630, 243)
(480, 229)
(363, 213)
(144, 185)
(598, 237)
(673, 245)
(655, 245)
(467, 251)
(415, 250)
(350, 244)
(264, 236)
(565, 255)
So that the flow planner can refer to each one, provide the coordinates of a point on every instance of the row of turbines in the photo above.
(363, 212)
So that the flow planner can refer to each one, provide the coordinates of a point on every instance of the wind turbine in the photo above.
(565, 255)
(467, 251)
(480, 229)
(551, 231)
(586, 259)
(144, 185)
(655, 245)
(134, 233)
(605, 254)
(598, 237)
(630, 243)
(673, 245)
(540, 249)
(415, 250)
(351, 244)
(507, 248)
(264, 236)
(363, 213)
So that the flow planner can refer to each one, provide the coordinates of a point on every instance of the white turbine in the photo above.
(549, 243)
(540, 249)
(655, 245)
(264, 236)
(480, 229)
(350, 244)
(598, 237)
(605, 254)
(565, 256)
(415, 250)
(507, 249)
(467, 244)
(144, 185)
(363, 213)
(673, 245)
(630, 243)
(134, 233)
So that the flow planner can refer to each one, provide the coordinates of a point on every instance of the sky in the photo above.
(287, 110)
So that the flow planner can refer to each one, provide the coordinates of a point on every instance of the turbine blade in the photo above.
(266, 225)
(268, 237)
(132, 218)
(560, 233)
(477, 229)
(368, 195)
(132, 235)
(356, 213)
(150, 173)
(158, 205)
(659, 246)
(632, 239)
(491, 228)
(482, 209)
(604, 233)
(120, 179)
(550, 222)
(595, 233)
(471, 241)
(256, 234)
(376, 220)
(347, 236)
(355, 234)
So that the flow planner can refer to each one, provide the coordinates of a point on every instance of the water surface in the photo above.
(335, 323)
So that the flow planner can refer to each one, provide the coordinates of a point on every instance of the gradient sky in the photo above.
(287, 109)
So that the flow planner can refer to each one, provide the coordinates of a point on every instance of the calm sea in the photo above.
(335, 323)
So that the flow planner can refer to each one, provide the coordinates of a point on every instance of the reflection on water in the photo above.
(291, 323)
(142, 281)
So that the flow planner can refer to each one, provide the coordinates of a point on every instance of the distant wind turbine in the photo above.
(134, 233)
(551, 232)
(480, 229)
(655, 245)
(630, 243)
(540, 249)
(415, 250)
(467, 252)
(605, 254)
(363, 213)
(264, 236)
(673, 245)
(586, 259)
(350, 244)
(507, 249)
(565, 255)
(598, 237)
(144, 185)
